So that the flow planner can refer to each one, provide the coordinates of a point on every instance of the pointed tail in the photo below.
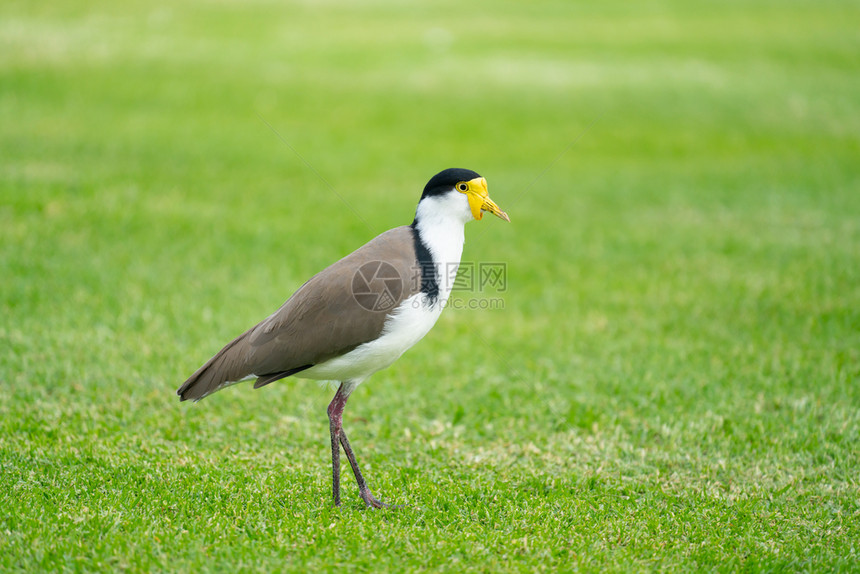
(227, 367)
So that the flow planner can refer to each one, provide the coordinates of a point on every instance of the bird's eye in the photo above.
(463, 187)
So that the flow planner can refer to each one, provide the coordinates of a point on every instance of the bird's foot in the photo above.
(370, 500)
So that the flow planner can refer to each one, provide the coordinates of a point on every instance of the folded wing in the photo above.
(334, 312)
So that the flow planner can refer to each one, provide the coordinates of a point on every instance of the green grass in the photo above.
(671, 385)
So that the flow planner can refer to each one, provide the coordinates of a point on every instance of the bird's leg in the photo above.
(335, 464)
(363, 490)
(335, 419)
(338, 437)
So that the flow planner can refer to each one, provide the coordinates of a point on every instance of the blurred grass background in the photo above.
(672, 383)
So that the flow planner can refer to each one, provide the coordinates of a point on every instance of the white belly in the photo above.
(412, 319)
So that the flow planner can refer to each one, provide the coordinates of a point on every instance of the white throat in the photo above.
(440, 221)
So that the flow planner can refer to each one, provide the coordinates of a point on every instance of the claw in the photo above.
(371, 501)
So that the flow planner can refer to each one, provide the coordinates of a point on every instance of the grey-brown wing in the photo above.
(335, 311)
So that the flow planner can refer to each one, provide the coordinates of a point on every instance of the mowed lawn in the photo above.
(670, 381)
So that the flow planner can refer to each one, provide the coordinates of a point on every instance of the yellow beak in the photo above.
(479, 200)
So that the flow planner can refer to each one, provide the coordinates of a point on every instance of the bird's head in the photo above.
(460, 193)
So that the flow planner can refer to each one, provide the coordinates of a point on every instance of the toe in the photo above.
(371, 501)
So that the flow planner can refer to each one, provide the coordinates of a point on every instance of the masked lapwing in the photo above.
(360, 314)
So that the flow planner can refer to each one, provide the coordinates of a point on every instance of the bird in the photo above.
(361, 313)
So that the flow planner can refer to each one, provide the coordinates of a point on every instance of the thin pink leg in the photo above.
(338, 439)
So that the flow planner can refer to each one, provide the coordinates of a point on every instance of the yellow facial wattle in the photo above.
(479, 198)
